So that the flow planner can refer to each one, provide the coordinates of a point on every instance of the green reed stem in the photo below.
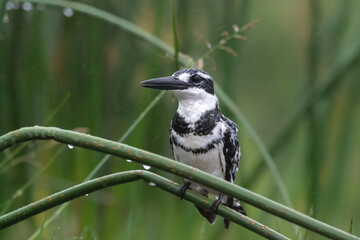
(124, 151)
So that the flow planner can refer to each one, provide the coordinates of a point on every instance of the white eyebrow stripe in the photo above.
(203, 75)
(184, 77)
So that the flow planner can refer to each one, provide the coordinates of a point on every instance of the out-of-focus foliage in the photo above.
(47, 53)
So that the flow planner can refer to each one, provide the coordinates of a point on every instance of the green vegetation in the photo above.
(72, 138)
(295, 79)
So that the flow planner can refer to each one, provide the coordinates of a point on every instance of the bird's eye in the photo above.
(196, 79)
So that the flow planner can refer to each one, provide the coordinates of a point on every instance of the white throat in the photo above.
(194, 102)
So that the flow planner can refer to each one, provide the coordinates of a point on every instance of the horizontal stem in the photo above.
(125, 177)
(148, 158)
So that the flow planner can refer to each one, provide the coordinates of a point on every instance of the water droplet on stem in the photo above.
(68, 12)
(146, 167)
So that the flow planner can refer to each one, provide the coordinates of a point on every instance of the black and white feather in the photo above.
(200, 136)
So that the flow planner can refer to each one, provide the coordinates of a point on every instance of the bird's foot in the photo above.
(183, 188)
(215, 205)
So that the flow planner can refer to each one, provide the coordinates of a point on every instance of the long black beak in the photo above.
(165, 83)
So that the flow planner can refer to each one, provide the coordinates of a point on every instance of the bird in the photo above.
(201, 136)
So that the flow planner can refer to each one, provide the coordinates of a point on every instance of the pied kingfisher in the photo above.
(200, 136)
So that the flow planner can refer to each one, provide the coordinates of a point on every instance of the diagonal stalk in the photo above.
(348, 62)
(120, 22)
(127, 133)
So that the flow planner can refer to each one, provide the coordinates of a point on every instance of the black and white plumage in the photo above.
(200, 136)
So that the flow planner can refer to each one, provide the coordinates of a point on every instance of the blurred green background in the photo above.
(296, 79)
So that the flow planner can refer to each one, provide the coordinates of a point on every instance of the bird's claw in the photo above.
(215, 205)
(183, 189)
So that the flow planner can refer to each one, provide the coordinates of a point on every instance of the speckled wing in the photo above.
(231, 150)
(170, 140)
(232, 155)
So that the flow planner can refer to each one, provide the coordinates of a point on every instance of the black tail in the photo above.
(233, 203)
(210, 216)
